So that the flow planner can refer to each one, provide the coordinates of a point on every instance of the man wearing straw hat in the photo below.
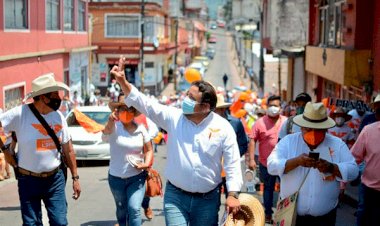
(198, 139)
(38, 166)
(324, 160)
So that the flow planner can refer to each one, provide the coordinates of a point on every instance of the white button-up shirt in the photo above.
(195, 151)
(317, 196)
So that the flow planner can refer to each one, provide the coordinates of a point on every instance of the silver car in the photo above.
(89, 146)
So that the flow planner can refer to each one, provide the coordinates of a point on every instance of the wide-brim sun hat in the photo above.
(45, 84)
(376, 100)
(314, 117)
(251, 212)
(340, 112)
(114, 105)
(220, 103)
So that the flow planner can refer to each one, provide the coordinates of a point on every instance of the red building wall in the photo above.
(376, 48)
(37, 38)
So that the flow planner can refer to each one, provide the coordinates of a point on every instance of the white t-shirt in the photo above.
(36, 149)
(345, 132)
(283, 131)
(123, 144)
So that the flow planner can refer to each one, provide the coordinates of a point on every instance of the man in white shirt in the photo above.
(324, 160)
(40, 176)
(199, 138)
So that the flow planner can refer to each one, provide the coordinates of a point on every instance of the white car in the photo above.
(89, 146)
(199, 66)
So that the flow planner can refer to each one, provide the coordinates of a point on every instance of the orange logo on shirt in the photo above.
(337, 134)
(42, 130)
(46, 144)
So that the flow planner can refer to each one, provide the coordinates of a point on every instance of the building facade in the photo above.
(117, 31)
(39, 37)
(342, 59)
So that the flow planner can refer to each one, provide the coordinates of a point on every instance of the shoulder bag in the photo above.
(153, 186)
(286, 209)
(53, 136)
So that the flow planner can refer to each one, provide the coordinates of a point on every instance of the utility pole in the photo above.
(142, 45)
(175, 53)
(261, 76)
(279, 75)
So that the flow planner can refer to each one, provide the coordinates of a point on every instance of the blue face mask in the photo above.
(188, 106)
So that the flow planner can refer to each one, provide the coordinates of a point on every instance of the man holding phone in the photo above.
(323, 159)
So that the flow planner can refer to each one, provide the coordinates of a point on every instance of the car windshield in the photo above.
(99, 117)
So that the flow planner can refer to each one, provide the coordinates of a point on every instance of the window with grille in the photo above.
(331, 23)
(68, 15)
(13, 97)
(122, 26)
(52, 14)
(81, 15)
(16, 14)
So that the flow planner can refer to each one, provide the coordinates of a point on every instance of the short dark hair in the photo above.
(208, 93)
(272, 98)
(303, 97)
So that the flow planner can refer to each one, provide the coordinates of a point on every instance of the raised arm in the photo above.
(118, 72)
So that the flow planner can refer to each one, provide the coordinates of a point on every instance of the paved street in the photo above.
(96, 205)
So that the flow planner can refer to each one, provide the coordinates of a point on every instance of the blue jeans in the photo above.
(183, 209)
(269, 182)
(51, 191)
(128, 194)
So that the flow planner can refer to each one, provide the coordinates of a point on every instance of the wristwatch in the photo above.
(234, 194)
(75, 177)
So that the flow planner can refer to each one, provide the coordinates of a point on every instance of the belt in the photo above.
(197, 194)
(33, 174)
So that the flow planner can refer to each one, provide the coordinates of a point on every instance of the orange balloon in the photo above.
(192, 74)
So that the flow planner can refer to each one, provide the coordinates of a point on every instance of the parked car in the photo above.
(213, 25)
(89, 146)
(199, 66)
(212, 39)
(203, 59)
(210, 53)
(221, 24)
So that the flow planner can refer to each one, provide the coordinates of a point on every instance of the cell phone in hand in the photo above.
(314, 155)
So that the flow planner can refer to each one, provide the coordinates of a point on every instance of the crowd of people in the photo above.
(307, 147)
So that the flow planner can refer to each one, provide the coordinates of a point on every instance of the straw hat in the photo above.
(114, 105)
(251, 212)
(315, 117)
(220, 101)
(45, 84)
(340, 112)
(376, 100)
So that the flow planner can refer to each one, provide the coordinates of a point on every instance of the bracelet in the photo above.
(75, 177)
(234, 194)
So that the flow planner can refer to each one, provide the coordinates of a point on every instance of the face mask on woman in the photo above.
(126, 116)
(314, 137)
(273, 111)
(188, 106)
(339, 121)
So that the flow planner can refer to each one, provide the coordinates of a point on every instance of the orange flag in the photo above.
(236, 106)
(87, 123)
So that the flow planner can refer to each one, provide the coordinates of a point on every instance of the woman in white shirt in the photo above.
(131, 153)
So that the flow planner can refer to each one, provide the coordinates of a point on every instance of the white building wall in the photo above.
(289, 21)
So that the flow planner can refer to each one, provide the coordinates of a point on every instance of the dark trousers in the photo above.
(324, 220)
(269, 182)
(371, 211)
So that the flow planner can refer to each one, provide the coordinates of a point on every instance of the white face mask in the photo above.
(273, 111)
(339, 121)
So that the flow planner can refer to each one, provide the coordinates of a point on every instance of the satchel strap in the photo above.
(48, 129)
(304, 179)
